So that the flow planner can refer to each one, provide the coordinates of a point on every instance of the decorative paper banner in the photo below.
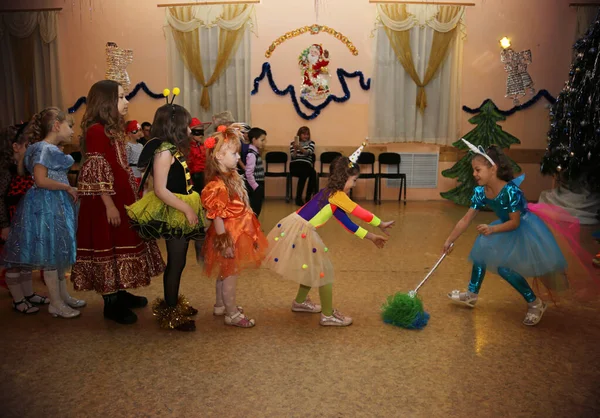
(519, 80)
(313, 63)
(542, 93)
(313, 30)
(341, 74)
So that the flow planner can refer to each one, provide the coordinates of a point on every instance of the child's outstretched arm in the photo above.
(460, 227)
(350, 226)
(342, 201)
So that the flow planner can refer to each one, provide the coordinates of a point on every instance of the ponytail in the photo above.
(41, 123)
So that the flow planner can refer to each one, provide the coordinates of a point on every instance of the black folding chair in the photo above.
(326, 158)
(391, 159)
(368, 158)
(278, 157)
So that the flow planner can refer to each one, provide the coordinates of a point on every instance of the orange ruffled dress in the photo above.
(241, 223)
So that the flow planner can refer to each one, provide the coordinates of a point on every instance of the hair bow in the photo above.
(210, 142)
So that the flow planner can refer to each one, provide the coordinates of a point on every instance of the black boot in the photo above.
(115, 310)
(131, 301)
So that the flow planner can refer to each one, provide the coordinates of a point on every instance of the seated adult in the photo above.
(302, 152)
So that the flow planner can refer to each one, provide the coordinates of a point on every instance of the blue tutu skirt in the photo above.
(531, 250)
(42, 232)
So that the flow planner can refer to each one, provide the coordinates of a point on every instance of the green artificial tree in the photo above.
(486, 132)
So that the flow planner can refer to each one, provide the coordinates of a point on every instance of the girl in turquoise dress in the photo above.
(517, 245)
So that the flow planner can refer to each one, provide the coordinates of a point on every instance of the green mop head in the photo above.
(404, 310)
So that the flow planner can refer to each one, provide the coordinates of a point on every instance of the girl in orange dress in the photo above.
(234, 240)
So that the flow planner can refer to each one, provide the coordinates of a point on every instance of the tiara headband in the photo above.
(479, 151)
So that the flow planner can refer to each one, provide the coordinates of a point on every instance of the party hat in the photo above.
(354, 157)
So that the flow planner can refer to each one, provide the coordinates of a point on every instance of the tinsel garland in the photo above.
(170, 317)
(542, 93)
(341, 74)
(139, 86)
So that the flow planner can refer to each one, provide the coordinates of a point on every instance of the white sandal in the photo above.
(238, 319)
(534, 314)
(463, 298)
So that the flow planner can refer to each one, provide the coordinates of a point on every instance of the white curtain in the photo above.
(30, 79)
(394, 115)
(232, 90)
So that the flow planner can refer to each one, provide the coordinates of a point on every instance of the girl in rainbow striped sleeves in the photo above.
(296, 250)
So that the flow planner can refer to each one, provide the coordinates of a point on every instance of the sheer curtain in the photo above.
(30, 79)
(399, 111)
(230, 90)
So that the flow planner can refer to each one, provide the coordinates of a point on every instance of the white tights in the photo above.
(225, 292)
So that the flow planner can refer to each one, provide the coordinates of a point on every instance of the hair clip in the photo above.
(479, 151)
(167, 92)
(210, 142)
(221, 128)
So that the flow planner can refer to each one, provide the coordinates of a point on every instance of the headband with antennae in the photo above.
(167, 92)
(479, 151)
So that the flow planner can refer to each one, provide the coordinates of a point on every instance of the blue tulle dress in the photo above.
(42, 232)
(531, 250)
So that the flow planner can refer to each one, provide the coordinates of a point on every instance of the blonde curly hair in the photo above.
(230, 138)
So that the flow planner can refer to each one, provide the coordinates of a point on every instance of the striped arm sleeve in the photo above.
(347, 223)
(341, 200)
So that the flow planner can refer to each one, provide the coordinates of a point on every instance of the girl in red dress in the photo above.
(111, 257)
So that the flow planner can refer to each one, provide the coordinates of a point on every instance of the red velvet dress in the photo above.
(109, 258)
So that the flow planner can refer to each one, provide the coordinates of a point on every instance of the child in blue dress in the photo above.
(517, 245)
(42, 232)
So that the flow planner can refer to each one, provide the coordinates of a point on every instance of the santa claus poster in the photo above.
(313, 63)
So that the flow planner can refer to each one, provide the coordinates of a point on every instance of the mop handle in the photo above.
(433, 269)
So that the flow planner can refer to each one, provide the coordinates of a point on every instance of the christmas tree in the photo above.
(573, 153)
(486, 132)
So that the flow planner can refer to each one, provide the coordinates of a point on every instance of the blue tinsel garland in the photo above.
(341, 74)
(136, 89)
(531, 102)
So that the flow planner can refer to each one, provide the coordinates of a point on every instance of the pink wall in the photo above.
(544, 26)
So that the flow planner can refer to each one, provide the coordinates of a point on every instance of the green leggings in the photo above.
(325, 294)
